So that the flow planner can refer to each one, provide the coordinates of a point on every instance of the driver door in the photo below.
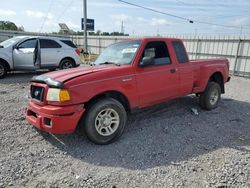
(158, 82)
(26, 55)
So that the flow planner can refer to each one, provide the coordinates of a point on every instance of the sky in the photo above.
(44, 16)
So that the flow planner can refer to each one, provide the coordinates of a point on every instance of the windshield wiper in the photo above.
(108, 62)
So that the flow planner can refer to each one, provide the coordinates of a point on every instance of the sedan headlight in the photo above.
(58, 95)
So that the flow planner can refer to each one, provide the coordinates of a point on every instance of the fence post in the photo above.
(197, 48)
(236, 56)
(99, 44)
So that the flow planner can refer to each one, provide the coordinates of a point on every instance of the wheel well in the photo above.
(5, 63)
(111, 94)
(70, 58)
(218, 78)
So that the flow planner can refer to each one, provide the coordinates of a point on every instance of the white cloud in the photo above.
(159, 21)
(141, 19)
(106, 4)
(242, 22)
(72, 25)
(132, 23)
(38, 14)
(120, 17)
(7, 12)
(50, 23)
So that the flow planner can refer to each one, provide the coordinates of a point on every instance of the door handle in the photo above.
(173, 70)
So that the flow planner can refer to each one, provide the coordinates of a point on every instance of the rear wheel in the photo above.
(66, 64)
(3, 70)
(104, 121)
(210, 98)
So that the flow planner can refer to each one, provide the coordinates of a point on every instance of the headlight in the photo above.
(59, 95)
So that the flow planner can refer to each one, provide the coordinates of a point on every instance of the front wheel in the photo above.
(210, 98)
(105, 121)
(3, 70)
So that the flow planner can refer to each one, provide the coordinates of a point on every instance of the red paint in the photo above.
(141, 86)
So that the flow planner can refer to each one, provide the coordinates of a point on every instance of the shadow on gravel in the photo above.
(20, 77)
(166, 135)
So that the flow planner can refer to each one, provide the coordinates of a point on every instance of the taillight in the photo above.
(78, 51)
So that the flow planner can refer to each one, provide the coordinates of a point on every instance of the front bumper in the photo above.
(54, 119)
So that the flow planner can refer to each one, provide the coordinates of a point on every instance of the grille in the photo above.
(37, 92)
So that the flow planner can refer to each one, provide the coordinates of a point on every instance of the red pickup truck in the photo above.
(126, 76)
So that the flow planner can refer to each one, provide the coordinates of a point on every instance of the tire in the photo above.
(210, 98)
(97, 122)
(3, 70)
(66, 64)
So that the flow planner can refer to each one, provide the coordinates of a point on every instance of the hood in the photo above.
(58, 78)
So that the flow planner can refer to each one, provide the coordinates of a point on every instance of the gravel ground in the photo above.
(163, 146)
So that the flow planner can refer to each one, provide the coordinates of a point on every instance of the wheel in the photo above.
(66, 64)
(210, 98)
(3, 70)
(104, 121)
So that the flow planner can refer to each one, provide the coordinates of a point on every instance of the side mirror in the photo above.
(16, 47)
(147, 61)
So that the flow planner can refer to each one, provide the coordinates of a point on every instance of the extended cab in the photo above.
(126, 76)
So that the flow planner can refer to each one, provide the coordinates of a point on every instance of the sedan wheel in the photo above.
(67, 64)
(3, 70)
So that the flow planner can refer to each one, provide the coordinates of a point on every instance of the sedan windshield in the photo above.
(9, 42)
(121, 53)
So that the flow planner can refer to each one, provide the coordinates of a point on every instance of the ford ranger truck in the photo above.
(129, 75)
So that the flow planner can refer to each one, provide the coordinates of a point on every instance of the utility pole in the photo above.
(122, 28)
(241, 29)
(85, 25)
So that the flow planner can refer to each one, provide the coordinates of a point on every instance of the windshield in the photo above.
(120, 53)
(9, 42)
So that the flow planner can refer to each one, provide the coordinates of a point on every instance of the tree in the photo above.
(7, 25)
(105, 33)
(97, 33)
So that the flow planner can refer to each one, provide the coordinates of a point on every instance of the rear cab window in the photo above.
(180, 52)
(69, 43)
(159, 51)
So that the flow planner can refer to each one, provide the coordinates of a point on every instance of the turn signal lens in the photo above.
(64, 95)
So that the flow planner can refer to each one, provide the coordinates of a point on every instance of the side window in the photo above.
(69, 43)
(30, 43)
(47, 43)
(180, 52)
(158, 51)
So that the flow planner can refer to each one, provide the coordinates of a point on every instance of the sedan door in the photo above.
(25, 54)
(157, 82)
(51, 53)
